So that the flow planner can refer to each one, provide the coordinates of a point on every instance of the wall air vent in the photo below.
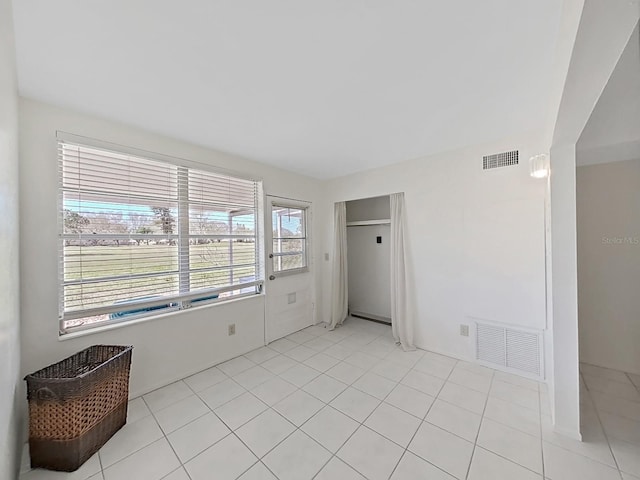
(498, 160)
(510, 348)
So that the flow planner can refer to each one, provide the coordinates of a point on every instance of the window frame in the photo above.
(169, 304)
(305, 207)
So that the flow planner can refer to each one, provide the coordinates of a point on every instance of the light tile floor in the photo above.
(349, 404)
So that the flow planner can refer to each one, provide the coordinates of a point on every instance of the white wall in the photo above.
(608, 196)
(166, 348)
(10, 399)
(377, 208)
(369, 269)
(603, 32)
(445, 194)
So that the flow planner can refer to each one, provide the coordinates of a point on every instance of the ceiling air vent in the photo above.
(498, 160)
(510, 348)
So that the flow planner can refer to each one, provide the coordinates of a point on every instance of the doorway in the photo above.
(289, 305)
(369, 258)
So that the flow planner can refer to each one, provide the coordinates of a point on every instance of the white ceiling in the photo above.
(613, 130)
(320, 87)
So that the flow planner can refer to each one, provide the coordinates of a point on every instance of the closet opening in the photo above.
(369, 258)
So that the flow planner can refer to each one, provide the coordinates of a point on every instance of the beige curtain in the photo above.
(401, 311)
(339, 286)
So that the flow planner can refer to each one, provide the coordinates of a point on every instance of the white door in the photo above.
(289, 296)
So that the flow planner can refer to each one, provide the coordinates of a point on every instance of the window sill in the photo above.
(113, 326)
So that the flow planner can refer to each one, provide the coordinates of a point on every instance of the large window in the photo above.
(140, 236)
(289, 238)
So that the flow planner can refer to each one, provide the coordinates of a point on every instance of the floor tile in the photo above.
(454, 419)
(283, 345)
(522, 396)
(297, 458)
(627, 456)
(393, 423)
(165, 396)
(319, 329)
(594, 443)
(130, 438)
(136, 410)
(319, 344)
(469, 379)
(252, 377)
(594, 370)
(405, 358)
(301, 337)
(361, 360)
(228, 459)
(345, 372)
(410, 400)
(205, 379)
(425, 383)
(151, 463)
(616, 405)
(621, 428)
(443, 449)
(321, 362)
(279, 364)
(330, 428)
(517, 380)
(180, 413)
(236, 365)
(475, 368)
(374, 385)
(221, 393)
(513, 415)
(338, 351)
(412, 467)
(300, 375)
(324, 388)
(486, 465)
(433, 367)
(560, 464)
(179, 474)
(463, 397)
(197, 436)
(301, 353)
(391, 370)
(376, 350)
(371, 454)
(356, 404)
(336, 469)
(274, 390)
(241, 410)
(625, 389)
(264, 432)
(258, 472)
(298, 407)
(517, 446)
(261, 355)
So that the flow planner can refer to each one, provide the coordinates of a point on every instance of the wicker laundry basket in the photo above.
(76, 405)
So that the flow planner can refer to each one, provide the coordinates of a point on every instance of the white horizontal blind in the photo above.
(138, 235)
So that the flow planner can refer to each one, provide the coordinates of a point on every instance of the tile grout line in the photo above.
(475, 443)
(167, 438)
(424, 419)
(604, 432)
